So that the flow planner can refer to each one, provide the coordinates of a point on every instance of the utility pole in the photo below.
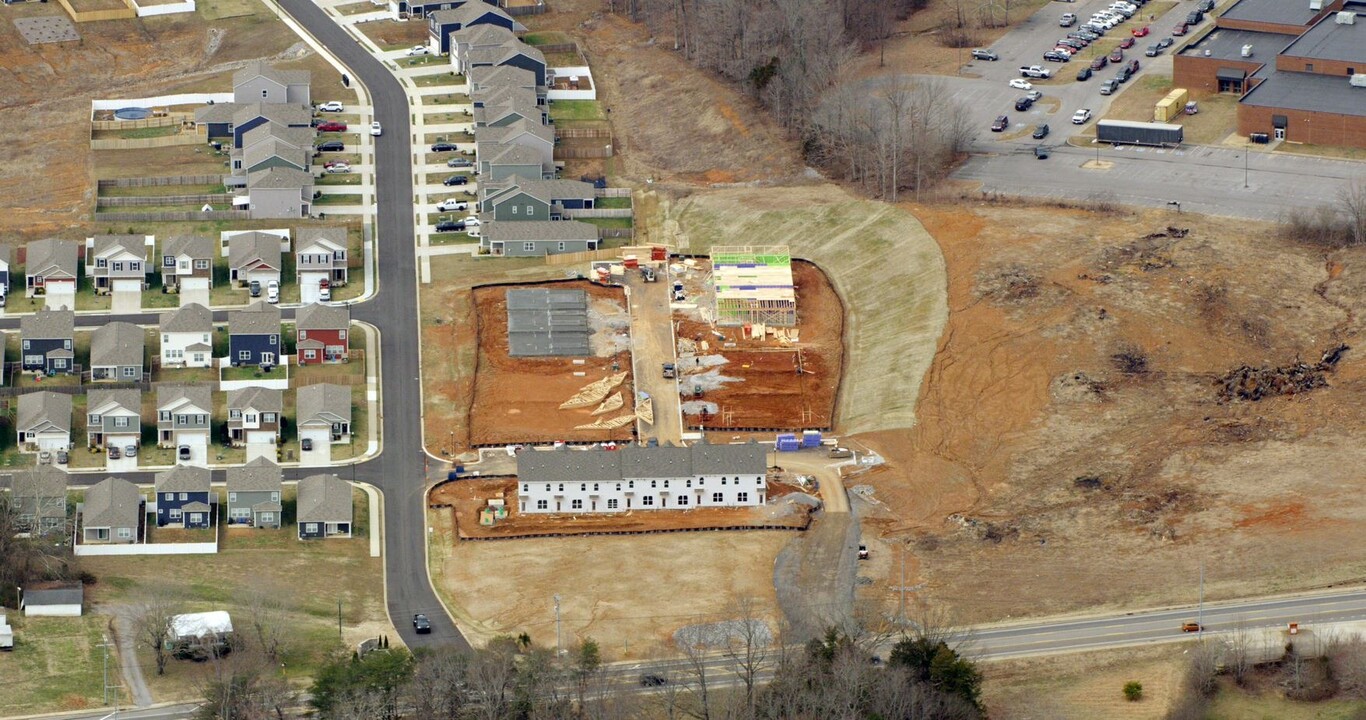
(558, 649)
(901, 611)
(106, 645)
(339, 623)
(1245, 152)
(1201, 619)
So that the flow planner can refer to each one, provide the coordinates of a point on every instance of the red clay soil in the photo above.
(771, 394)
(466, 498)
(517, 400)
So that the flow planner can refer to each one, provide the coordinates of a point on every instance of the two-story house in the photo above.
(187, 337)
(254, 336)
(116, 352)
(253, 115)
(323, 334)
(48, 338)
(43, 422)
(442, 23)
(184, 416)
(490, 141)
(113, 512)
(52, 266)
(512, 161)
(272, 145)
(278, 193)
(262, 82)
(117, 262)
(325, 508)
(183, 497)
(324, 413)
(320, 256)
(254, 492)
(114, 418)
(187, 263)
(523, 198)
(254, 415)
(5, 255)
(254, 256)
(40, 500)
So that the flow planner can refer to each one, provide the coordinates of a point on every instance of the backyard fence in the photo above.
(144, 143)
(583, 153)
(166, 120)
(568, 47)
(516, 10)
(183, 216)
(162, 181)
(576, 258)
(606, 233)
(583, 132)
(597, 213)
(163, 200)
(604, 192)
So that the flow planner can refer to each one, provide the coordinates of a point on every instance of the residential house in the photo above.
(187, 337)
(39, 497)
(512, 161)
(117, 262)
(48, 337)
(187, 263)
(538, 238)
(442, 23)
(324, 413)
(184, 414)
(279, 192)
(116, 352)
(321, 255)
(274, 145)
(486, 82)
(489, 141)
(254, 494)
(183, 497)
(5, 254)
(264, 83)
(254, 415)
(465, 41)
(113, 418)
(43, 421)
(510, 52)
(254, 256)
(112, 512)
(506, 106)
(247, 117)
(520, 198)
(51, 266)
(254, 336)
(323, 334)
(324, 507)
(402, 9)
(53, 599)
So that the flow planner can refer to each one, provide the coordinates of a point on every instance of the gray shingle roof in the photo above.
(507, 132)
(195, 246)
(43, 481)
(261, 152)
(126, 398)
(565, 465)
(111, 503)
(253, 247)
(299, 137)
(516, 155)
(520, 48)
(73, 594)
(634, 461)
(317, 316)
(48, 325)
(552, 190)
(216, 113)
(259, 475)
(483, 35)
(189, 318)
(743, 459)
(134, 244)
(503, 76)
(50, 255)
(655, 462)
(259, 67)
(285, 114)
(305, 237)
(184, 478)
(258, 319)
(277, 178)
(117, 344)
(469, 12)
(323, 403)
(256, 398)
(544, 230)
(40, 408)
(324, 498)
(201, 396)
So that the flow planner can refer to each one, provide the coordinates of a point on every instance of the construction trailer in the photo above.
(753, 285)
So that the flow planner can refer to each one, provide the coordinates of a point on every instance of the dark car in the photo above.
(421, 625)
(1179, 30)
(1080, 36)
(1040, 153)
(444, 147)
(1123, 76)
(115, 453)
(1100, 62)
(183, 452)
(1194, 17)
(652, 680)
(456, 180)
(1023, 104)
(1041, 132)
(332, 126)
(1084, 75)
(1001, 123)
(1133, 66)
(331, 146)
(1153, 51)
(450, 226)
(1072, 43)
(1165, 43)
(1117, 55)
(1055, 56)
(1126, 43)
(255, 288)
(306, 444)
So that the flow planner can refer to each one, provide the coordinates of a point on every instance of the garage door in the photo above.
(61, 295)
(53, 443)
(308, 286)
(194, 290)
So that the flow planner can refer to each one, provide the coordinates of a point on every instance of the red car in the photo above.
(1126, 43)
(1179, 30)
(332, 127)
(1117, 55)
(1141, 32)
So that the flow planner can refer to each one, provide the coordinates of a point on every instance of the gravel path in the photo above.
(124, 637)
(814, 575)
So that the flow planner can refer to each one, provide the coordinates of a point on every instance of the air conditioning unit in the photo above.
(1316, 5)
(1358, 80)
(1346, 17)
(1247, 51)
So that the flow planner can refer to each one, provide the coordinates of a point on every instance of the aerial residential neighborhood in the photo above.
(582, 358)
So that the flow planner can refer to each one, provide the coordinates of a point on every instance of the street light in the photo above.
(1177, 203)
(1246, 150)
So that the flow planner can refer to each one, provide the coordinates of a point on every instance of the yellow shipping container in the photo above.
(1164, 111)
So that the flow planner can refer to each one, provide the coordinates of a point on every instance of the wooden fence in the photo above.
(183, 216)
(161, 181)
(610, 192)
(583, 132)
(126, 13)
(536, 9)
(568, 47)
(583, 153)
(164, 200)
(166, 120)
(576, 258)
(144, 143)
(605, 233)
(597, 213)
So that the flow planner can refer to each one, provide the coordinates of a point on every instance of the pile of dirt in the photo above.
(1254, 383)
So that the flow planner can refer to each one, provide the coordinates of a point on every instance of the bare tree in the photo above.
(1352, 201)
(491, 675)
(1347, 659)
(438, 688)
(152, 623)
(244, 685)
(1239, 657)
(266, 623)
(748, 648)
(697, 683)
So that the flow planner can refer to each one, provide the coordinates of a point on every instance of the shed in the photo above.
(53, 600)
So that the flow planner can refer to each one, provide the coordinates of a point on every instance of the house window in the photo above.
(529, 246)
(59, 363)
(561, 246)
(612, 504)
(583, 487)
(310, 354)
(689, 482)
(529, 210)
(341, 335)
(232, 497)
(175, 513)
(101, 262)
(120, 422)
(164, 415)
(682, 499)
(130, 371)
(717, 497)
(170, 496)
(66, 344)
(118, 266)
(648, 500)
(234, 414)
(311, 528)
(267, 517)
(666, 484)
(94, 419)
(275, 497)
(196, 518)
(265, 93)
(561, 488)
(125, 533)
(26, 345)
(182, 419)
(201, 264)
(134, 266)
(576, 504)
(243, 354)
(1309, 67)
(204, 338)
(268, 417)
(274, 339)
(526, 488)
(168, 261)
(654, 483)
(303, 334)
(514, 209)
(630, 484)
(723, 481)
(542, 504)
(742, 497)
(595, 487)
(184, 497)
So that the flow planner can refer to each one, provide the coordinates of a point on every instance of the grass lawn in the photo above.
(613, 203)
(423, 60)
(452, 238)
(340, 199)
(446, 99)
(455, 137)
(1233, 704)
(1347, 153)
(438, 79)
(339, 179)
(445, 117)
(576, 110)
(56, 665)
(136, 133)
(549, 37)
(610, 222)
(86, 299)
(254, 373)
(562, 59)
(357, 8)
(162, 190)
(152, 162)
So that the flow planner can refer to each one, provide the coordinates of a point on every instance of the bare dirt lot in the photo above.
(517, 400)
(768, 391)
(1077, 441)
(467, 497)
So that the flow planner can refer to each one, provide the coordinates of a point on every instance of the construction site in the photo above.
(553, 365)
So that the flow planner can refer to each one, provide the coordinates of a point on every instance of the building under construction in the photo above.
(753, 285)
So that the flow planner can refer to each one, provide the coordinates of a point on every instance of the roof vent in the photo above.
(1346, 18)
(1315, 5)
(1247, 51)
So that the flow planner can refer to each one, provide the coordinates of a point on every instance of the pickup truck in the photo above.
(1034, 71)
(669, 370)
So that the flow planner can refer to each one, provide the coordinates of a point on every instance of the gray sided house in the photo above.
(48, 341)
(321, 254)
(187, 261)
(254, 256)
(324, 412)
(485, 82)
(51, 263)
(254, 494)
(254, 336)
(489, 141)
(6, 254)
(442, 23)
(116, 352)
(521, 198)
(113, 418)
(537, 238)
(510, 53)
(420, 8)
(325, 508)
(187, 337)
(261, 82)
(506, 106)
(184, 414)
(274, 145)
(112, 512)
(512, 161)
(183, 498)
(472, 41)
(40, 500)
(253, 115)
(43, 421)
(117, 262)
(254, 415)
(279, 192)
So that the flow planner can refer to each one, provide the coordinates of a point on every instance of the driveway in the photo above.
(321, 454)
(126, 301)
(308, 286)
(261, 450)
(123, 463)
(193, 290)
(199, 450)
(60, 296)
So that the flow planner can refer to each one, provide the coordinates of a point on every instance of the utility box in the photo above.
(788, 442)
(6, 634)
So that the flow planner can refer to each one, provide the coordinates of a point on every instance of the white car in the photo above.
(337, 168)
(324, 290)
(1021, 84)
(472, 221)
(273, 292)
(331, 106)
(375, 129)
(452, 204)
(417, 50)
(1081, 116)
